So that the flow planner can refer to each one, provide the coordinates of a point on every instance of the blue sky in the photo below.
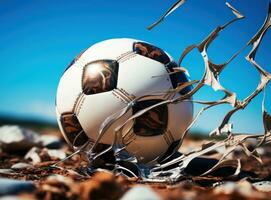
(38, 39)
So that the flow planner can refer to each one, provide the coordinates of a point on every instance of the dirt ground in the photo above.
(72, 181)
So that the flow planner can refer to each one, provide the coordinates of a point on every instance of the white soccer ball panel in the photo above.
(109, 49)
(94, 110)
(136, 76)
(180, 116)
(69, 89)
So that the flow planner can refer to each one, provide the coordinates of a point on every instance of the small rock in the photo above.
(10, 186)
(57, 187)
(15, 138)
(140, 192)
(103, 185)
(263, 186)
(50, 141)
(22, 196)
(59, 154)
(7, 171)
(37, 155)
(226, 188)
(243, 188)
(10, 197)
(57, 179)
(21, 166)
(33, 154)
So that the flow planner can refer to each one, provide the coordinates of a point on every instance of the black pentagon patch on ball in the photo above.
(153, 122)
(170, 151)
(73, 130)
(151, 52)
(177, 78)
(100, 76)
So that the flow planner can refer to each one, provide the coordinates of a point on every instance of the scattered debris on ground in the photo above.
(29, 174)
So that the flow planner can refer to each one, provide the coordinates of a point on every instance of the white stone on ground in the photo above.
(15, 138)
(140, 192)
(21, 165)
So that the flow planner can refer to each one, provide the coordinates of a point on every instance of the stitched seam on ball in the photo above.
(125, 94)
(75, 102)
(123, 55)
(79, 104)
(126, 57)
(171, 138)
(119, 97)
(165, 136)
(168, 95)
(127, 138)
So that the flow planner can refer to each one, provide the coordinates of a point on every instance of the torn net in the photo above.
(173, 170)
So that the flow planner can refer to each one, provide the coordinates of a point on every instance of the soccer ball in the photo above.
(104, 79)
